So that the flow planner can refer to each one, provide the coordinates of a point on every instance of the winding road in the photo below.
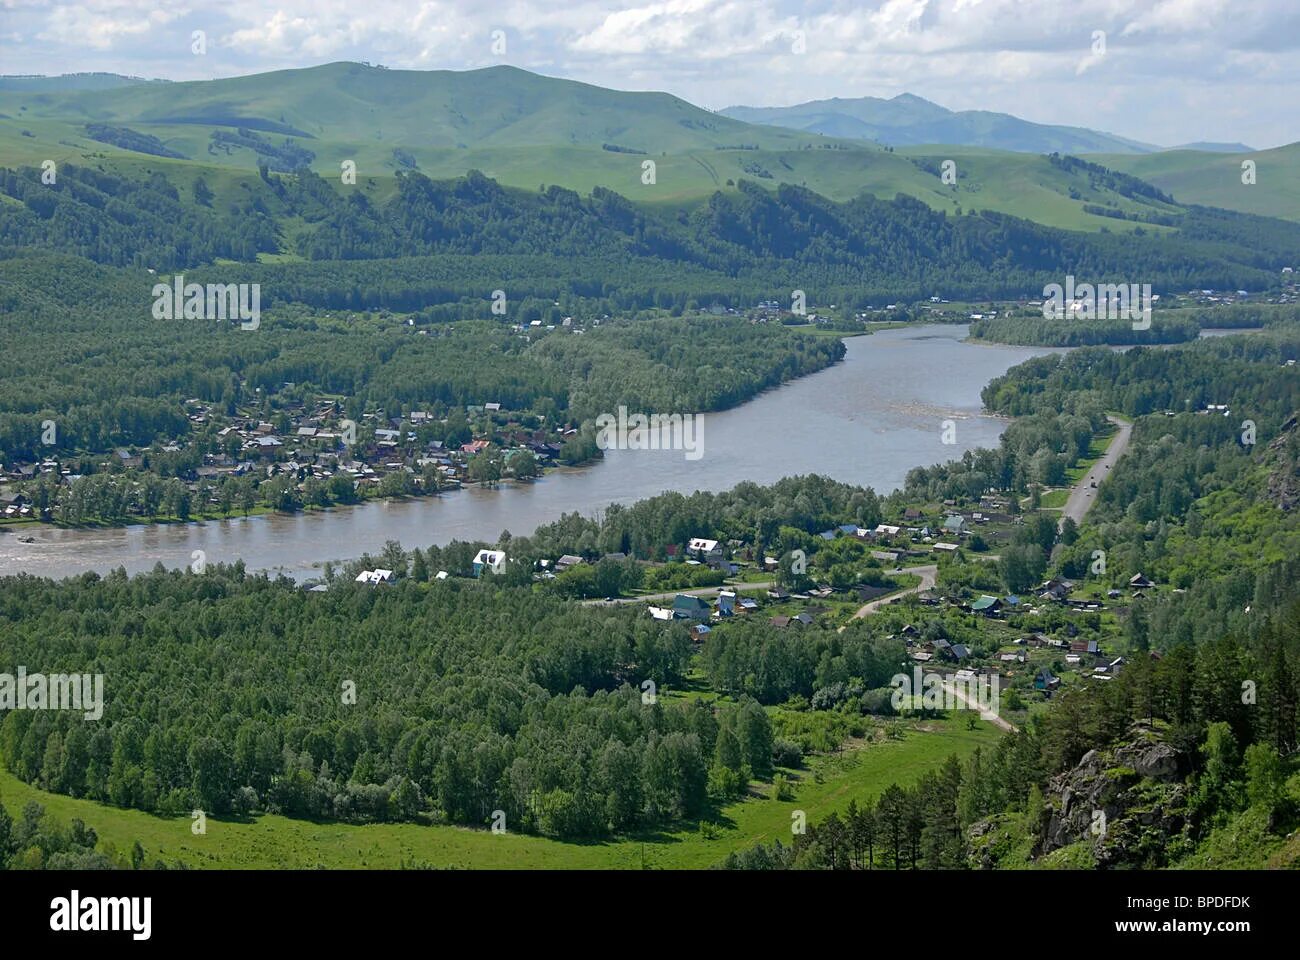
(927, 575)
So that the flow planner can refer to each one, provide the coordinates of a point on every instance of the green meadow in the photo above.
(269, 841)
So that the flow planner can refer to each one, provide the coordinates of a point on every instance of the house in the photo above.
(1073, 659)
(776, 593)
(911, 513)
(748, 604)
(886, 530)
(726, 602)
(921, 656)
(567, 561)
(1112, 668)
(489, 561)
(781, 622)
(1045, 681)
(886, 556)
(1016, 656)
(375, 576)
(703, 548)
(661, 613)
(959, 651)
(1139, 582)
(699, 631)
(687, 607)
(126, 458)
(945, 547)
(1055, 590)
(804, 618)
(954, 524)
(1085, 646)
(989, 606)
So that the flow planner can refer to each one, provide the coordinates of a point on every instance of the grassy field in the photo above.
(1195, 176)
(277, 842)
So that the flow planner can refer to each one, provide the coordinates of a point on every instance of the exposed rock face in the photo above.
(1127, 802)
(1284, 468)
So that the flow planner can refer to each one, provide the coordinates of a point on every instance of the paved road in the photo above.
(1084, 494)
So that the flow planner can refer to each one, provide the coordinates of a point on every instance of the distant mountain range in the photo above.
(908, 120)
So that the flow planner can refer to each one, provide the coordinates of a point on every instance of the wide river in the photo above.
(867, 420)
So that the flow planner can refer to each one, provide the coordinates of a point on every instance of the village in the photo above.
(1028, 645)
(317, 454)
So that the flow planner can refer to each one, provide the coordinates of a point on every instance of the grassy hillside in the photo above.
(1214, 178)
(521, 129)
(278, 842)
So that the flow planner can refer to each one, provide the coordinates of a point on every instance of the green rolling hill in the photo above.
(1214, 178)
(519, 128)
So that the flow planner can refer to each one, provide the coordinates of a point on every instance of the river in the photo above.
(867, 420)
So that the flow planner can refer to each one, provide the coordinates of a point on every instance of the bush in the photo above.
(782, 789)
(786, 753)
(878, 702)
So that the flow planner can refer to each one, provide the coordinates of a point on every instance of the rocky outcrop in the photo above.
(1283, 484)
(1127, 803)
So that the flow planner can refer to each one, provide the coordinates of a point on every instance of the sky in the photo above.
(1160, 71)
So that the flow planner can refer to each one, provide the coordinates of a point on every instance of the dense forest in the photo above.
(1179, 326)
(735, 248)
(468, 698)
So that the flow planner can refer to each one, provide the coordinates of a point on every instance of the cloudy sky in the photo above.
(1161, 71)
